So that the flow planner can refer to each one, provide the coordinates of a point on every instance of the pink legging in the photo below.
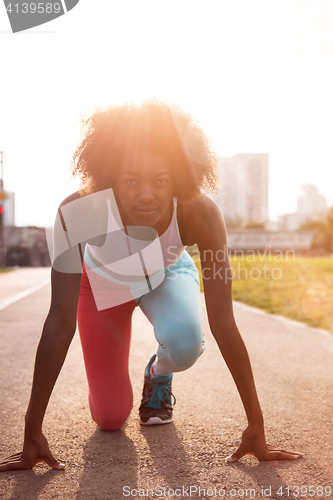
(174, 310)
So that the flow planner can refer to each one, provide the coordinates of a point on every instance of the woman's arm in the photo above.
(57, 333)
(207, 229)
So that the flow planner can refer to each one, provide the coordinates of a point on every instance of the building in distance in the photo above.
(243, 194)
(311, 205)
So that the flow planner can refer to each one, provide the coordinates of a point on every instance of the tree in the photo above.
(235, 222)
(323, 230)
(252, 224)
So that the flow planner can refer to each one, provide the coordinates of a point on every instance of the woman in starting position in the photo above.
(119, 242)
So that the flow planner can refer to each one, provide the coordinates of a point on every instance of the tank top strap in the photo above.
(114, 219)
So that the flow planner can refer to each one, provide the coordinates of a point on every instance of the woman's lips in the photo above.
(146, 211)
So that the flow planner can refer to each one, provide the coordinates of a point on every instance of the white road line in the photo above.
(24, 293)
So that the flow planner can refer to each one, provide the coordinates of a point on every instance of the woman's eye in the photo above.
(130, 181)
(161, 181)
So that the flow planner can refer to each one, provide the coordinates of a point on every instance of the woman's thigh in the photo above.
(174, 310)
(105, 337)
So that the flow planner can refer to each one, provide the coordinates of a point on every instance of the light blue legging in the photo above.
(174, 310)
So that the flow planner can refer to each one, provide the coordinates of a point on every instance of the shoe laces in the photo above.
(159, 393)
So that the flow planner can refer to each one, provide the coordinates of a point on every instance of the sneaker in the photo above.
(156, 407)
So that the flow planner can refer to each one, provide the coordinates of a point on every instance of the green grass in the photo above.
(5, 269)
(300, 288)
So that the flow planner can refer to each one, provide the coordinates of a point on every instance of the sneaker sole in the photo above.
(156, 421)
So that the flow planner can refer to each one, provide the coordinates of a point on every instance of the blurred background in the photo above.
(257, 75)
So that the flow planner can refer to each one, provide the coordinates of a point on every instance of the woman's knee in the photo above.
(183, 344)
(110, 413)
(111, 419)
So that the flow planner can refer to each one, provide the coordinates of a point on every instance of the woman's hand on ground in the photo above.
(254, 443)
(35, 450)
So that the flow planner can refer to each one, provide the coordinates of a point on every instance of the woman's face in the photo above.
(145, 189)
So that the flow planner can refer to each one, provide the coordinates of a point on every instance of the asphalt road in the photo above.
(294, 374)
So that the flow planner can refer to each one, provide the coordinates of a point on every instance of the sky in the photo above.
(256, 74)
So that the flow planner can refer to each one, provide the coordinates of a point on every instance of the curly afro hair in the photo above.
(152, 126)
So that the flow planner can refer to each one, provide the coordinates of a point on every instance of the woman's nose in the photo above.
(146, 193)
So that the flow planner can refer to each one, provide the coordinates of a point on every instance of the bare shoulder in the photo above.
(201, 207)
(68, 199)
(202, 219)
(71, 197)
(87, 220)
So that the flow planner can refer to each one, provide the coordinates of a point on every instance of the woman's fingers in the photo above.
(52, 462)
(272, 448)
(7, 460)
(239, 453)
(22, 464)
(19, 454)
(270, 454)
(14, 465)
(13, 458)
(10, 459)
(17, 462)
(233, 458)
(282, 455)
